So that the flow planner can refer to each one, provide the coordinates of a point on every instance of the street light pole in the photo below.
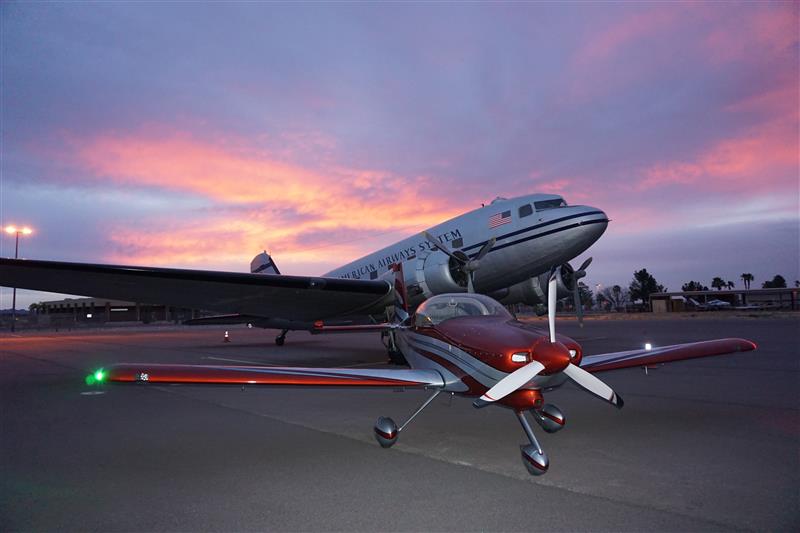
(16, 231)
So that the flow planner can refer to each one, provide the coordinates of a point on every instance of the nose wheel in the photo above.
(280, 339)
(549, 417)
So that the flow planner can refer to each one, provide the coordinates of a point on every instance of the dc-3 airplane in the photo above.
(504, 249)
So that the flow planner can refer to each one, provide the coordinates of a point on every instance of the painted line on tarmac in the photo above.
(239, 361)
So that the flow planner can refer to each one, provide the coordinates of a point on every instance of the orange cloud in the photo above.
(305, 215)
(739, 163)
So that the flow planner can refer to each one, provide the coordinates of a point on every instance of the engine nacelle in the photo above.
(437, 273)
(533, 291)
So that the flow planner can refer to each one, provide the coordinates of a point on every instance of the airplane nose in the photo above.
(554, 356)
(593, 224)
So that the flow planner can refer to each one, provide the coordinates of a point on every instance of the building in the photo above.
(744, 299)
(98, 311)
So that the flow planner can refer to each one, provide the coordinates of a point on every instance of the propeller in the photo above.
(590, 383)
(553, 355)
(576, 293)
(469, 266)
(510, 383)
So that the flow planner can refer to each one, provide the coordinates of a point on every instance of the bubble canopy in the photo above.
(443, 307)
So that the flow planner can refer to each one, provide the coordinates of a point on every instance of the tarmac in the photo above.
(701, 445)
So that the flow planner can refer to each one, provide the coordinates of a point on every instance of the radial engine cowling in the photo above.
(533, 291)
(437, 273)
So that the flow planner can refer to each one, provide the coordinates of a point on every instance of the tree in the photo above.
(587, 297)
(615, 297)
(730, 285)
(718, 283)
(747, 278)
(693, 286)
(778, 282)
(643, 285)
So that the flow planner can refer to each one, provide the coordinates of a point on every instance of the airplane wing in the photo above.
(664, 354)
(266, 375)
(292, 298)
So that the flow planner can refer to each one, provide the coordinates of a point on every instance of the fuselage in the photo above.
(532, 233)
(474, 352)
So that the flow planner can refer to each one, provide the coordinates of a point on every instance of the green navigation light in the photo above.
(99, 375)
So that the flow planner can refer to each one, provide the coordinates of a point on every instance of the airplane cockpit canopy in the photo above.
(549, 204)
(443, 307)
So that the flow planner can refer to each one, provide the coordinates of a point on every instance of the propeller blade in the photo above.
(552, 288)
(592, 384)
(510, 383)
(578, 306)
(470, 286)
(485, 249)
(441, 248)
(584, 265)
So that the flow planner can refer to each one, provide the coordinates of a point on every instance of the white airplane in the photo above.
(505, 249)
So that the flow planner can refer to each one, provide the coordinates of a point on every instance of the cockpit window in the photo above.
(549, 204)
(525, 210)
(446, 306)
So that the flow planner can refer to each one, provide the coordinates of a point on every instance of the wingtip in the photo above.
(480, 402)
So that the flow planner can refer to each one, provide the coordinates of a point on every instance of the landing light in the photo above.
(573, 353)
(519, 357)
(648, 346)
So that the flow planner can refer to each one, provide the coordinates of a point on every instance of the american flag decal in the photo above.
(499, 219)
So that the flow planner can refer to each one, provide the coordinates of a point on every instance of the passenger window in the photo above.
(373, 274)
(525, 210)
(457, 243)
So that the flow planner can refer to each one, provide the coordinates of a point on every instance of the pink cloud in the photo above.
(262, 191)
(768, 31)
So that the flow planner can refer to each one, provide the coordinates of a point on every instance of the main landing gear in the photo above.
(551, 419)
(280, 339)
(396, 357)
(386, 431)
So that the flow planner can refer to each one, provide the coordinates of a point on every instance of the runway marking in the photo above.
(273, 364)
(92, 393)
(362, 364)
(239, 361)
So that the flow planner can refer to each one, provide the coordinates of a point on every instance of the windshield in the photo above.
(549, 204)
(446, 306)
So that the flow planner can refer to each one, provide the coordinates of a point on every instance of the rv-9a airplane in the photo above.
(504, 249)
(465, 344)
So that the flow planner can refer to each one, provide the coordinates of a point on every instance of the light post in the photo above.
(13, 230)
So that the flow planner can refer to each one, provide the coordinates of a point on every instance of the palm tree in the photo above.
(718, 283)
(747, 278)
(730, 285)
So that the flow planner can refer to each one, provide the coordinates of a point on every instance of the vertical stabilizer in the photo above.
(263, 264)
(400, 294)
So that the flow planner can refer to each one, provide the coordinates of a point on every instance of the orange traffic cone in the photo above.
(227, 338)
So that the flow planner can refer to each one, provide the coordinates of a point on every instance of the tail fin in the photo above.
(400, 294)
(263, 264)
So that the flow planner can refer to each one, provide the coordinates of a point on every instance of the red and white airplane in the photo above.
(461, 343)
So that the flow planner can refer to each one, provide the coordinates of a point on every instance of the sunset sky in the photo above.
(197, 134)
